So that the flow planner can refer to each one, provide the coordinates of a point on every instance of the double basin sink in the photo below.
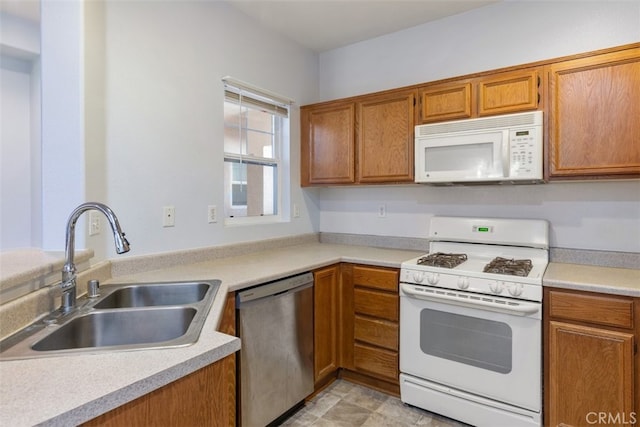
(125, 317)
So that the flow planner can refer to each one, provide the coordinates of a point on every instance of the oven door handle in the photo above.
(483, 303)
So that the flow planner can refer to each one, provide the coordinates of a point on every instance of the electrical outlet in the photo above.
(212, 214)
(168, 216)
(382, 211)
(296, 210)
(94, 223)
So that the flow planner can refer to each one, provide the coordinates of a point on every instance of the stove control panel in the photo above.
(524, 291)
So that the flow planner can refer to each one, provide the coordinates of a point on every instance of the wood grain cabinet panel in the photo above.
(597, 309)
(205, 397)
(376, 304)
(506, 93)
(371, 325)
(325, 318)
(379, 332)
(380, 362)
(593, 116)
(384, 129)
(328, 144)
(362, 140)
(376, 278)
(590, 362)
(447, 101)
(591, 370)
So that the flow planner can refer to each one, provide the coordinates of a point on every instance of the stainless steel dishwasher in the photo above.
(275, 325)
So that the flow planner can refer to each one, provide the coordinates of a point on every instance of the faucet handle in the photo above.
(93, 288)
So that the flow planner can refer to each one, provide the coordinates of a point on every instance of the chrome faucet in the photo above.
(68, 284)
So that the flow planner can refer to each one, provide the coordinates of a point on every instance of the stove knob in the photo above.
(496, 287)
(515, 289)
(418, 276)
(433, 278)
(463, 282)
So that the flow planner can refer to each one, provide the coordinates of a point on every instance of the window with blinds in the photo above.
(255, 125)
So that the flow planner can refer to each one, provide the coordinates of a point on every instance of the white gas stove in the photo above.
(470, 321)
(505, 257)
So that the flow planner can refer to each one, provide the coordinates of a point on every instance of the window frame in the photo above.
(279, 108)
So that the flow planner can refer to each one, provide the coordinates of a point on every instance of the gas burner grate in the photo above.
(512, 267)
(441, 259)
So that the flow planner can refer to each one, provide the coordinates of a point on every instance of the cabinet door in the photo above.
(591, 371)
(593, 116)
(328, 144)
(385, 138)
(445, 102)
(325, 318)
(205, 397)
(509, 92)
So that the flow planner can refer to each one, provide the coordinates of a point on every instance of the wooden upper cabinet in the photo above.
(594, 116)
(499, 93)
(510, 92)
(447, 101)
(328, 144)
(380, 126)
(384, 129)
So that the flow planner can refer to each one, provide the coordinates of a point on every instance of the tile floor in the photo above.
(344, 404)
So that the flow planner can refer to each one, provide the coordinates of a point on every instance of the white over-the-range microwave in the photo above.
(497, 149)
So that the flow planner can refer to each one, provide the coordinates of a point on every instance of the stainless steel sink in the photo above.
(117, 328)
(154, 295)
(127, 316)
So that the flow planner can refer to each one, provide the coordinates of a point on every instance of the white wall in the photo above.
(602, 216)
(15, 153)
(508, 33)
(20, 185)
(63, 142)
(163, 123)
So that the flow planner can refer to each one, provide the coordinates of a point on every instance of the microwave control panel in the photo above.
(525, 150)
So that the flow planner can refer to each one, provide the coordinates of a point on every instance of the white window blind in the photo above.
(255, 122)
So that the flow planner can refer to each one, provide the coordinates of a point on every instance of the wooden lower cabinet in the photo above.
(206, 397)
(371, 325)
(590, 362)
(356, 332)
(325, 319)
(199, 399)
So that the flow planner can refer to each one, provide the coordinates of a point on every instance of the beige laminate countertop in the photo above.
(618, 281)
(69, 390)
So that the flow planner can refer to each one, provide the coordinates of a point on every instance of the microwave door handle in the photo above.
(506, 144)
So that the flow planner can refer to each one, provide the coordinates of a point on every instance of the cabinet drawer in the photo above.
(377, 361)
(377, 332)
(601, 310)
(376, 278)
(376, 304)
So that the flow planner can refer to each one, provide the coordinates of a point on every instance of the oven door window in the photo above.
(485, 344)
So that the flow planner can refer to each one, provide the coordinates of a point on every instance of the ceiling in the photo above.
(323, 25)
(320, 25)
